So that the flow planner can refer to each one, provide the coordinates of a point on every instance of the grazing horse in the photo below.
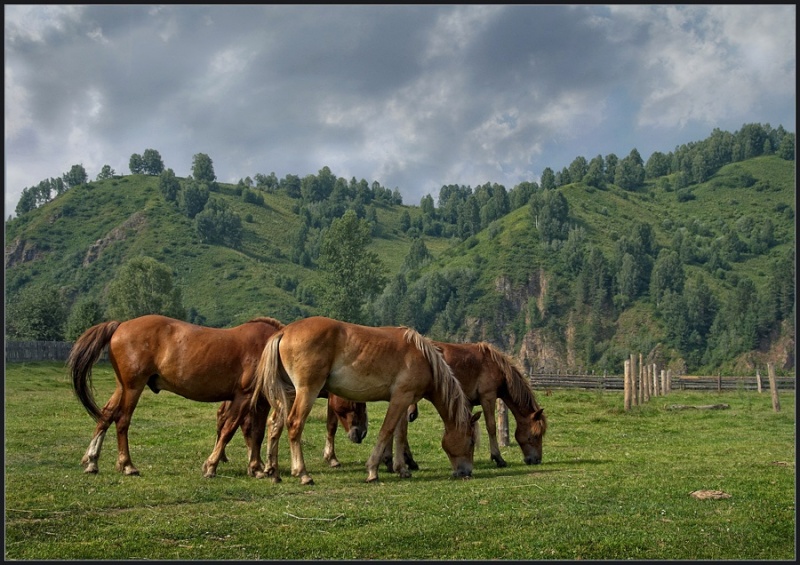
(196, 362)
(486, 374)
(352, 415)
(363, 364)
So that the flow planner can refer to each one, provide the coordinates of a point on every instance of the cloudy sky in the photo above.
(413, 97)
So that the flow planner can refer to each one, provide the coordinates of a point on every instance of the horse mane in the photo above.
(518, 386)
(458, 407)
(266, 320)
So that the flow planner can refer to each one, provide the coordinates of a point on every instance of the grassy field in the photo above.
(613, 485)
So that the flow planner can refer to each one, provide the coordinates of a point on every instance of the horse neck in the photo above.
(516, 393)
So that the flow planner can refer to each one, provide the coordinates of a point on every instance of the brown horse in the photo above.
(352, 415)
(363, 364)
(486, 374)
(198, 363)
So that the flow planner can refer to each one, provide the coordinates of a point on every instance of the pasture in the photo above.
(612, 484)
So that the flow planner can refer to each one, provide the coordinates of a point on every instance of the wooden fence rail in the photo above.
(684, 382)
(29, 351)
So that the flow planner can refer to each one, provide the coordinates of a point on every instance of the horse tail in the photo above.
(519, 388)
(458, 407)
(83, 355)
(269, 380)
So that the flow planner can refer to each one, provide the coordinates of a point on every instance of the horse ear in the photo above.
(538, 415)
(475, 417)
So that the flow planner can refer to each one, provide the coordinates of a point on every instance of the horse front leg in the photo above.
(329, 454)
(488, 404)
(396, 410)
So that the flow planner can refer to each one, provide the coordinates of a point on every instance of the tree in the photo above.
(169, 185)
(351, 275)
(595, 176)
(84, 314)
(629, 174)
(144, 286)
(786, 147)
(203, 168)
(667, 275)
(76, 176)
(217, 223)
(548, 181)
(151, 162)
(36, 313)
(418, 254)
(106, 173)
(195, 196)
(136, 164)
(27, 202)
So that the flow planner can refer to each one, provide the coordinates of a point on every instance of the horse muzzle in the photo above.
(463, 472)
(533, 459)
(357, 435)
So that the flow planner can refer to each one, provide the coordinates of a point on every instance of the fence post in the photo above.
(719, 382)
(653, 378)
(758, 380)
(627, 383)
(773, 386)
(502, 423)
(663, 382)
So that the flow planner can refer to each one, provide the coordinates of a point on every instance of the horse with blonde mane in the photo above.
(486, 374)
(364, 364)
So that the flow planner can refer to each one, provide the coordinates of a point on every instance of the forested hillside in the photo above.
(688, 258)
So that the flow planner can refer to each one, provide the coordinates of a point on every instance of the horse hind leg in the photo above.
(230, 421)
(90, 458)
(253, 429)
(124, 414)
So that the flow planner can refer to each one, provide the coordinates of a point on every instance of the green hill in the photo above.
(556, 303)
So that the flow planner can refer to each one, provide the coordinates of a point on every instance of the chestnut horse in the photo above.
(196, 362)
(352, 415)
(486, 374)
(363, 364)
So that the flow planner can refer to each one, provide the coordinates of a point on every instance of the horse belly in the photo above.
(359, 387)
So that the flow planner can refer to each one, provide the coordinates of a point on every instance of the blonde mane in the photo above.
(445, 382)
(266, 320)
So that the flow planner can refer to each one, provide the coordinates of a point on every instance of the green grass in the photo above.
(613, 485)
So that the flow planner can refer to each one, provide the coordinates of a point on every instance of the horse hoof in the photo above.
(91, 469)
(412, 465)
(306, 480)
(276, 479)
(334, 463)
(404, 475)
(372, 479)
(501, 463)
(131, 472)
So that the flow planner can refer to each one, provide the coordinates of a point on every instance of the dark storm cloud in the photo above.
(413, 96)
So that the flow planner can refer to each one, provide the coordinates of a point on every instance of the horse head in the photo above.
(529, 436)
(459, 445)
(352, 415)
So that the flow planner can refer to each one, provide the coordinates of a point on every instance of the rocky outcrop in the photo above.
(133, 224)
(21, 251)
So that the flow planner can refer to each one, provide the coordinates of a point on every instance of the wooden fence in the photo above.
(29, 351)
(683, 382)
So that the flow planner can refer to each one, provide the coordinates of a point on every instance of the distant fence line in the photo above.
(29, 351)
(683, 382)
